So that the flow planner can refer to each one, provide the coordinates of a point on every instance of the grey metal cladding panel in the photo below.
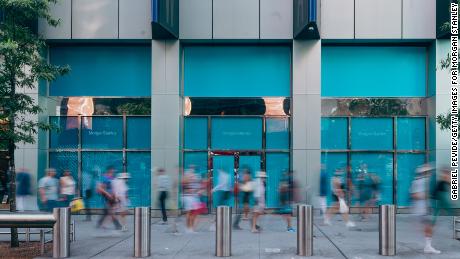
(135, 19)
(61, 10)
(236, 19)
(378, 19)
(337, 19)
(419, 19)
(276, 19)
(95, 19)
(195, 19)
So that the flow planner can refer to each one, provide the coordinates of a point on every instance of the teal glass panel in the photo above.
(378, 165)
(277, 168)
(66, 133)
(334, 133)
(63, 161)
(253, 164)
(330, 162)
(407, 164)
(138, 130)
(236, 133)
(196, 133)
(103, 70)
(95, 164)
(277, 133)
(139, 184)
(199, 160)
(237, 71)
(102, 132)
(372, 133)
(225, 165)
(353, 71)
(411, 133)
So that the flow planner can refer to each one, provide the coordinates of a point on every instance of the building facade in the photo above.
(273, 85)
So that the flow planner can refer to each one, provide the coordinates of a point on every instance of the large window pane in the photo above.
(102, 133)
(411, 133)
(372, 133)
(330, 162)
(407, 163)
(334, 133)
(277, 133)
(138, 132)
(64, 161)
(223, 165)
(379, 165)
(199, 161)
(66, 134)
(196, 133)
(277, 170)
(139, 185)
(94, 164)
(236, 133)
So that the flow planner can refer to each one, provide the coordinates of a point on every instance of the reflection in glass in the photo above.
(372, 133)
(277, 133)
(236, 133)
(373, 106)
(106, 133)
(66, 133)
(88, 106)
(411, 133)
(237, 106)
(334, 133)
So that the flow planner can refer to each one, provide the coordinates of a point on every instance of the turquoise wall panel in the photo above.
(372, 133)
(407, 163)
(358, 71)
(277, 166)
(236, 133)
(237, 71)
(196, 133)
(411, 133)
(277, 133)
(102, 133)
(138, 132)
(334, 133)
(102, 70)
(139, 184)
(199, 160)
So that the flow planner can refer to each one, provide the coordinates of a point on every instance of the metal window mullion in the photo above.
(395, 159)
(79, 156)
(125, 142)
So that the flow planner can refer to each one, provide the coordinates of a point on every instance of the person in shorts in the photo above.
(48, 188)
(259, 196)
(191, 186)
(120, 192)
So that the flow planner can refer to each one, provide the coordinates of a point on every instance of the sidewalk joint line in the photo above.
(330, 240)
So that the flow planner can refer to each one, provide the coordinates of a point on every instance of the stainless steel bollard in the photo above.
(142, 232)
(61, 233)
(387, 230)
(224, 231)
(27, 235)
(304, 230)
(42, 242)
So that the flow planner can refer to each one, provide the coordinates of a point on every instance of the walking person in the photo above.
(259, 196)
(419, 194)
(105, 189)
(323, 190)
(338, 199)
(164, 185)
(48, 187)
(67, 188)
(285, 209)
(246, 188)
(120, 192)
(88, 191)
(191, 185)
(23, 188)
(3, 187)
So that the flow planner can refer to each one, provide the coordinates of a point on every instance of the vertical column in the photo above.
(166, 112)
(307, 115)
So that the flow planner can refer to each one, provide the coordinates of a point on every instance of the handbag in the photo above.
(343, 208)
(77, 205)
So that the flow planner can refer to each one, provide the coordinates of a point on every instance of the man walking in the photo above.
(105, 189)
(48, 190)
(164, 184)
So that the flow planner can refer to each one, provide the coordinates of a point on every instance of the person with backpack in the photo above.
(105, 189)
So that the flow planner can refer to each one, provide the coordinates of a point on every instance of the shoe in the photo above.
(291, 229)
(327, 222)
(258, 227)
(430, 250)
(255, 231)
(237, 228)
(124, 228)
(350, 224)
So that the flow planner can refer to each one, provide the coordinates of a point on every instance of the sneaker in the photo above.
(291, 229)
(430, 250)
(350, 224)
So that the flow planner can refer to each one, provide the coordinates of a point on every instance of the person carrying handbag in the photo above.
(338, 199)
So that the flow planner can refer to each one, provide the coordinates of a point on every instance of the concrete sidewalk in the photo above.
(334, 241)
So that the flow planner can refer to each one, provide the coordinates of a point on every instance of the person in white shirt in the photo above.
(120, 192)
(223, 188)
(259, 196)
(67, 187)
(164, 185)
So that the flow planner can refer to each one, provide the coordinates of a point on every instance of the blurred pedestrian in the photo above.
(285, 189)
(323, 190)
(245, 188)
(3, 187)
(67, 188)
(164, 185)
(105, 189)
(23, 188)
(191, 185)
(48, 187)
(338, 199)
(259, 196)
(120, 192)
(223, 189)
(88, 185)
(419, 194)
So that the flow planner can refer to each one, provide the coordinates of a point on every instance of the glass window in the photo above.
(407, 163)
(139, 184)
(411, 133)
(330, 162)
(138, 132)
(223, 165)
(64, 161)
(102, 132)
(197, 159)
(236, 133)
(334, 133)
(277, 133)
(372, 133)
(95, 164)
(380, 166)
(66, 134)
(277, 171)
(196, 133)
